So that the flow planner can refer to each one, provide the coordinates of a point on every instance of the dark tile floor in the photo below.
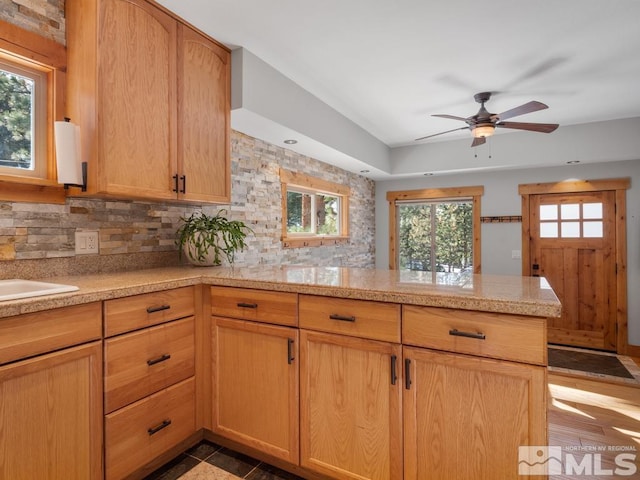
(210, 461)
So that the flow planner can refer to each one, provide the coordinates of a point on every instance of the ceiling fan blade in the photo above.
(532, 127)
(452, 117)
(521, 110)
(478, 141)
(442, 133)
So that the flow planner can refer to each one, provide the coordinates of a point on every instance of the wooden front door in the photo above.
(573, 245)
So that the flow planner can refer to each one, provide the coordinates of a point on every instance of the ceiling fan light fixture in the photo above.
(483, 130)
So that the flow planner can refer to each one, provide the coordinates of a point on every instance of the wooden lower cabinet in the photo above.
(350, 408)
(465, 417)
(51, 416)
(255, 386)
(140, 432)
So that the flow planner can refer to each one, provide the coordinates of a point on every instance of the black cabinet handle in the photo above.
(158, 308)
(162, 358)
(247, 305)
(407, 374)
(342, 318)
(175, 185)
(457, 333)
(184, 184)
(156, 429)
(394, 373)
(290, 357)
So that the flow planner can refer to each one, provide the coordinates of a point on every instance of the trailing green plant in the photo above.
(201, 233)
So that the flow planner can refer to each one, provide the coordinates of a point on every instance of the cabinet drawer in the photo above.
(131, 313)
(508, 337)
(280, 308)
(35, 333)
(138, 433)
(358, 318)
(143, 362)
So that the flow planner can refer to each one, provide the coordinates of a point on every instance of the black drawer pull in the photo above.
(394, 373)
(247, 305)
(158, 308)
(457, 333)
(162, 358)
(156, 429)
(407, 374)
(335, 316)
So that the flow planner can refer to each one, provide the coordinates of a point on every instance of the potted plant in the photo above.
(208, 239)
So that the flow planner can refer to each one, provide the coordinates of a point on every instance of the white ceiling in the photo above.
(389, 65)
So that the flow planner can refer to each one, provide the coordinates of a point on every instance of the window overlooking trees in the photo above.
(315, 212)
(435, 236)
(435, 230)
(31, 98)
(23, 116)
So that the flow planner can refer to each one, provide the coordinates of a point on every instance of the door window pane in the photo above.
(570, 211)
(592, 229)
(548, 212)
(592, 210)
(570, 230)
(549, 230)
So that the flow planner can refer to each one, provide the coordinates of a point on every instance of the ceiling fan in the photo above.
(483, 123)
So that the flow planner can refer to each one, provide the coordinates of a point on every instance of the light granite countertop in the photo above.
(530, 296)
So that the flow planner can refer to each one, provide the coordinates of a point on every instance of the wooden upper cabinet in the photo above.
(204, 83)
(151, 96)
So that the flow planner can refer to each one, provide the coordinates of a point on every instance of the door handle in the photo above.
(290, 357)
(394, 373)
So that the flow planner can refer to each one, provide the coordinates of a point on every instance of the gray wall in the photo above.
(501, 198)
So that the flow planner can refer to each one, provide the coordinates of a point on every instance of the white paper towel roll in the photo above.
(67, 136)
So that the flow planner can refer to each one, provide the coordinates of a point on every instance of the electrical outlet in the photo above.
(515, 254)
(87, 241)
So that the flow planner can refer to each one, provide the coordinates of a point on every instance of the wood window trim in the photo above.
(474, 192)
(620, 186)
(290, 178)
(25, 47)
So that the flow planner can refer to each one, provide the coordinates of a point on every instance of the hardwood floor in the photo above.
(595, 418)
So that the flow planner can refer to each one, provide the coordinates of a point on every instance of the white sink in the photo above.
(16, 288)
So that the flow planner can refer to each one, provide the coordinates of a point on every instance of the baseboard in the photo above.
(632, 351)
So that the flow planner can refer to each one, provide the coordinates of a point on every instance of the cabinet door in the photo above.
(204, 90)
(137, 100)
(350, 407)
(51, 416)
(465, 417)
(255, 386)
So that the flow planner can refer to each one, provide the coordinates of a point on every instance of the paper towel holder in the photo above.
(83, 165)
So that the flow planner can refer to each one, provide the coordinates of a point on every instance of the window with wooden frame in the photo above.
(435, 230)
(31, 98)
(314, 211)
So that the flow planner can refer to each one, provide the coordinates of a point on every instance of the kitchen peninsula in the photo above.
(329, 372)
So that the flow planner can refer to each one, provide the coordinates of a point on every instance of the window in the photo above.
(23, 120)
(436, 230)
(31, 98)
(435, 236)
(315, 212)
